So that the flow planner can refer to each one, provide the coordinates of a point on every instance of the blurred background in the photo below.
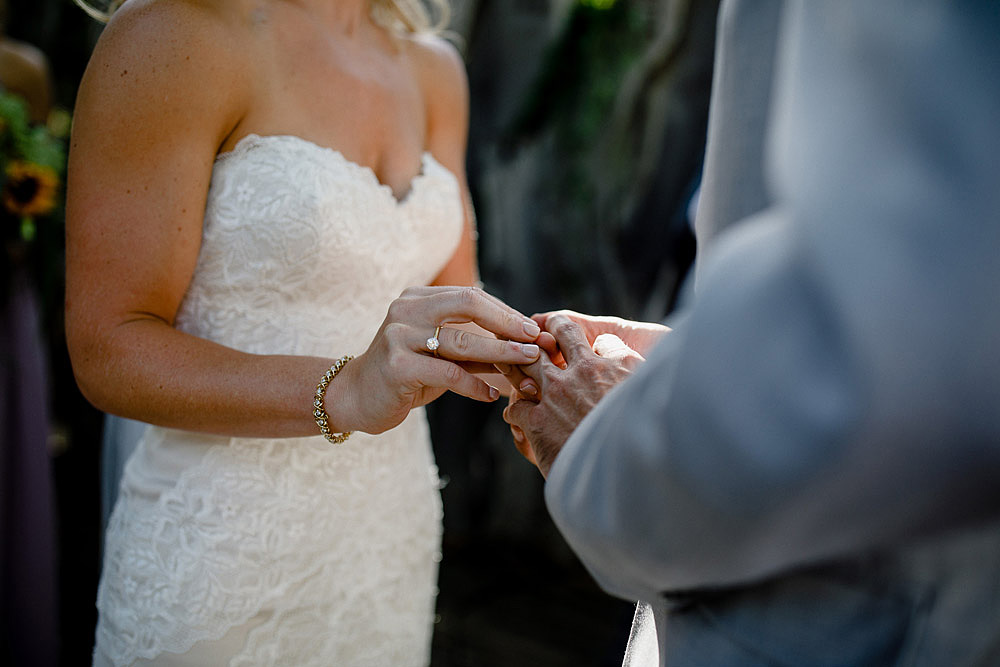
(587, 133)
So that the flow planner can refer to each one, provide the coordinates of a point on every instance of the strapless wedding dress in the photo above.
(243, 551)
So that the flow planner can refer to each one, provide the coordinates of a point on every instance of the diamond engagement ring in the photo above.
(433, 343)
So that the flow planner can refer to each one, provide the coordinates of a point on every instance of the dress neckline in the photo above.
(427, 161)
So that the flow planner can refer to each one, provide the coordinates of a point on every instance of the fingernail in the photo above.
(494, 393)
(531, 328)
(528, 388)
(529, 350)
(503, 368)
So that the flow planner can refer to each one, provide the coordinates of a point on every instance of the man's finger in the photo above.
(571, 338)
(518, 413)
(610, 346)
(521, 383)
(543, 318)
(522, 445)
(528, 388)
(535, 372)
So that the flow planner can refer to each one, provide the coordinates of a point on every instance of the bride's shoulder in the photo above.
(166, 58)
(440, 69)
(434, 55)
(204, 14)
(194, 41)
(167, 28)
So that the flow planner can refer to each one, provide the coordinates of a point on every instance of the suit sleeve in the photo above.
(834, 386)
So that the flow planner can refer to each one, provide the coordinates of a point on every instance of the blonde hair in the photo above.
(413, 16)
(102, 15)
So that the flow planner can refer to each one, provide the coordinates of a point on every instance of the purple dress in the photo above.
(27, 508)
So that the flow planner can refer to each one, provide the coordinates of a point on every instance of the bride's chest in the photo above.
(283, 212)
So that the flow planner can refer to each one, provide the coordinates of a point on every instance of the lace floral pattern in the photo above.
(306, 554)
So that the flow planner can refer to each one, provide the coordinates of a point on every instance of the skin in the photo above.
(592, 355)
(171, 84)
(638, 336)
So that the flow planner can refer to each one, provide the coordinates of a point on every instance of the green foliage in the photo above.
(571, 101)
(20, 140)
(581, 74)
(32, 170)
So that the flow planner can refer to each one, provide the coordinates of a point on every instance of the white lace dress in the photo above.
(240, 551)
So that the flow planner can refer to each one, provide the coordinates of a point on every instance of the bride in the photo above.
(253, 184)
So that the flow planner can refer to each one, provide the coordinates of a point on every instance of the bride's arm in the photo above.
(165, 87)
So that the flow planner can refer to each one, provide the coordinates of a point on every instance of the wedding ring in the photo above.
(433, 343)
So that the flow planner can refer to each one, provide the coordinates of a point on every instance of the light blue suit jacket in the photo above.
(807, 471)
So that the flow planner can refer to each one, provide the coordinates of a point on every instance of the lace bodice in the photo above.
(255, 552)
(303, 250)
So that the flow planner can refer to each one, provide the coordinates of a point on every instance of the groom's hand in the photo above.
(567, 394)
(639, 336)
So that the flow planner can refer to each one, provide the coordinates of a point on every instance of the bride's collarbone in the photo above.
(393, 152)
(384, 134)
(371, 109)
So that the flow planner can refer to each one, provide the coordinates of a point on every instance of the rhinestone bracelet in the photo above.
(323, 419)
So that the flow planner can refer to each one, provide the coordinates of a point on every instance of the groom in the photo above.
(805, 471)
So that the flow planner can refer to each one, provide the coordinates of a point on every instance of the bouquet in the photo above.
(32, 163)
(32, 170)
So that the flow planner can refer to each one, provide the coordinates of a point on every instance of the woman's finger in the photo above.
(478, 368)
(524, 385)
(549, 346)
(455, 305)
(442, 374)
(430, 290)
(461, 345)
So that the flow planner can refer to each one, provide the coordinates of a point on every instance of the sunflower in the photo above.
(30, 189)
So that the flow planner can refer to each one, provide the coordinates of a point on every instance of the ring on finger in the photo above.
(433, 343)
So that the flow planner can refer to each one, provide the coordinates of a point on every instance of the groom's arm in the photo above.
(834, 386)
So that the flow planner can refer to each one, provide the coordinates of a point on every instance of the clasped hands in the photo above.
(559, 365)
(585, 357)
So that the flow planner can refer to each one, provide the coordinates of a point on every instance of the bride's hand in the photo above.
(398, 372)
